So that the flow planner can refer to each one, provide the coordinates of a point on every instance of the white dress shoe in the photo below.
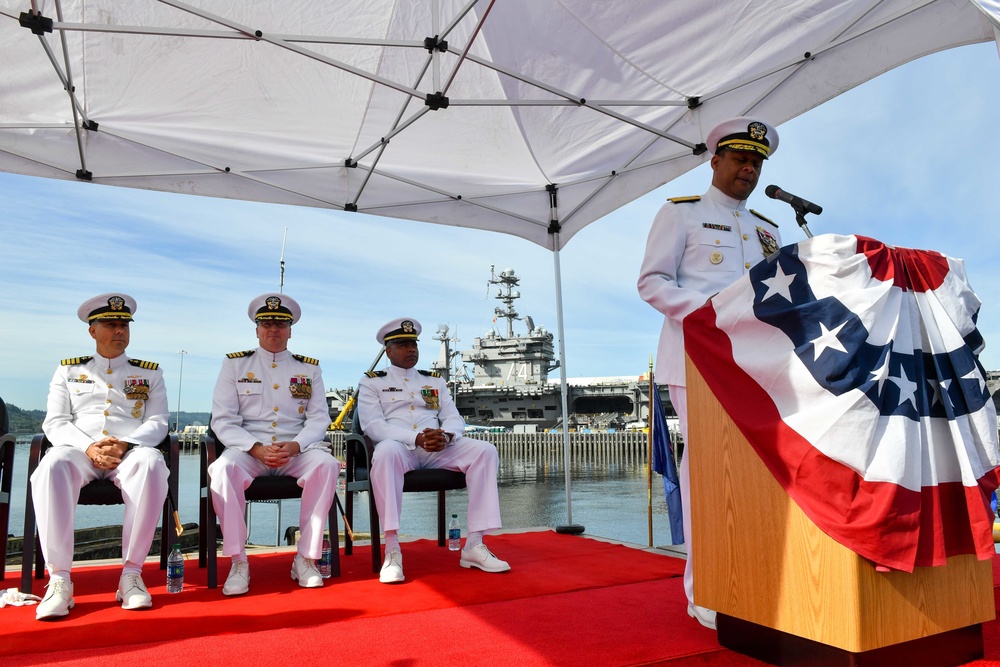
(58, 600)
(304, 571)
(704, 616)
(132, 592)
(481, 557)
(238, 581)
(392, 568)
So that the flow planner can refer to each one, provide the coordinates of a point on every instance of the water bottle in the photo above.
(454, 533)
(175, 570)
(324, 561)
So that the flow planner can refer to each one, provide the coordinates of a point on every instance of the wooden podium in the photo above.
(788, 594)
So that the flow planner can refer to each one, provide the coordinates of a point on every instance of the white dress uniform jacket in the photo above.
(400, 403)
(89, 399)
(694, 250)
(266, 398)
(94, 397)
(393, 407)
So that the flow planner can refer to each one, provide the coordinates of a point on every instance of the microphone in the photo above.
(798, 203)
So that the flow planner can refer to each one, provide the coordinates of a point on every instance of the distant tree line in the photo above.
(25, 421)
(30, 421)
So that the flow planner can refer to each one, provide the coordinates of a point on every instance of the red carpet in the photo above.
(568, 601)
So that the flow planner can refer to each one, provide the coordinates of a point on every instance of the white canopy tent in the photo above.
(529, 117)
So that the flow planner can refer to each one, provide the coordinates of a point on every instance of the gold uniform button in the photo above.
(274, 365)
(248, 391)
(745, 237)
(276, 408)
(110, 371)
(274, 423)
(276, 385)
(104, 432)
(717, 241)
(274, 438)
(412, 407)
(108, 401)
(747, 265)
(737, 214)
(105, 413)
(109, 386)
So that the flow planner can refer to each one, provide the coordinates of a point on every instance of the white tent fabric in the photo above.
(556, 109)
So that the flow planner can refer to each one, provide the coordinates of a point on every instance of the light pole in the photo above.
(180, 382)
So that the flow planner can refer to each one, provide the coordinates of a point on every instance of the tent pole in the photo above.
(570, 527)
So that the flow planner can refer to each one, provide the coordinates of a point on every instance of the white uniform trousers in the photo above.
(316, 471)
(55, 490)
(678, 398)
(476, 458)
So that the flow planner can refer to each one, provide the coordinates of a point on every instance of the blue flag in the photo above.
(663, 463)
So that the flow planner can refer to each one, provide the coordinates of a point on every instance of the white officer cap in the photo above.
(743, 134)
(274, 306)
(403, 328)
(110, 306)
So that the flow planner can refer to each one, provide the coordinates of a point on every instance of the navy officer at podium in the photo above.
(410, 416)
(269, 410)
(696, 247)
(105, 416)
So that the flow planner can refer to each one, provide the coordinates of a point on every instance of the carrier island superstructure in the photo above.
(510, 385)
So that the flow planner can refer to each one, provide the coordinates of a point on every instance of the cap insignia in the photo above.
(116, 303)
(273, 302)
(757, 131)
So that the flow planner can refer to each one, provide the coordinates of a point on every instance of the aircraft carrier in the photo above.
(509, 385)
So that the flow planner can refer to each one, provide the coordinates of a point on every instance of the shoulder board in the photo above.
(767, 220)
(148, 365)
(375, 374)
(306, 360)
(433, 374)
(684, 200)
(244, 353)
(74, 361)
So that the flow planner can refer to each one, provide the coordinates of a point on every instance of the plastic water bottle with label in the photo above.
(454, 533)
(324, 561)
(175, 570)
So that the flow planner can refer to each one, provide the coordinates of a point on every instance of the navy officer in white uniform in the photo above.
(697, 246)
(105, 415)
(269, 410)
(412, 419)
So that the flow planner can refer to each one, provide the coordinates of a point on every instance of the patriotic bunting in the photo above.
(851, 368)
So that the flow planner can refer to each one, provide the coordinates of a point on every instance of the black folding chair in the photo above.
(6, 478)
(358, 450)
(98, 492)
(271, 487)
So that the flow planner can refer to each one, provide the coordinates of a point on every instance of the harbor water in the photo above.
(608, 497)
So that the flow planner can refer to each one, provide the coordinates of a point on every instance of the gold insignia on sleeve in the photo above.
(237, 355)
(306, 360)
(148, 365)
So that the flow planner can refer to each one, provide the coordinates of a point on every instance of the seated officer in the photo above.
(105, 416)
(412, 418)
(269, 410)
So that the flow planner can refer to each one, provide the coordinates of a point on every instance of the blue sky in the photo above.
(907, 159)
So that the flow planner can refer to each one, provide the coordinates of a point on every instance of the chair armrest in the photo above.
(39, 443)
(356, 455)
